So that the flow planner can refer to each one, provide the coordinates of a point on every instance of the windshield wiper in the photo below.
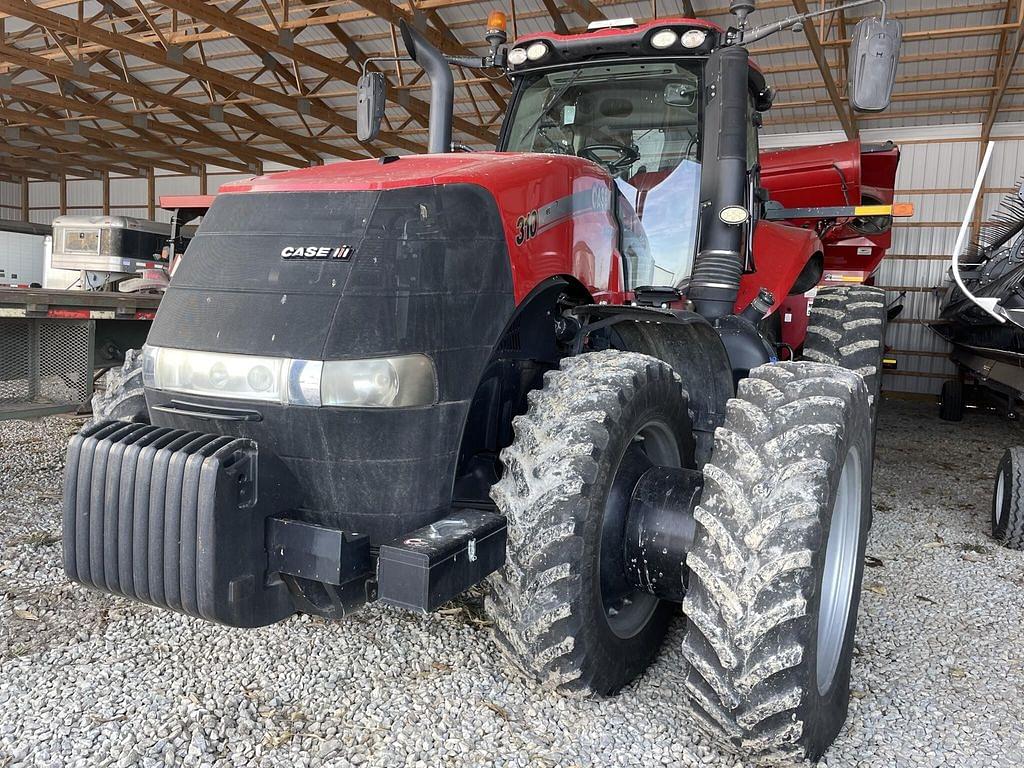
(551, 102)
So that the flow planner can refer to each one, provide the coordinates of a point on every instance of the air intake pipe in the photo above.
(715, 281)
(442, 87)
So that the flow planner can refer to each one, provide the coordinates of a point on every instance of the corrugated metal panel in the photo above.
(10, 196)
(84, 192)
(214, 181)
(44, 216)
(176, 185)
(125, 191)
(139, 213)
(44, 194)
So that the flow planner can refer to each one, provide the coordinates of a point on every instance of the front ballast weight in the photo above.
(201, 524)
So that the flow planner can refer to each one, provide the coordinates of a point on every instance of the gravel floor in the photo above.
(87, 679)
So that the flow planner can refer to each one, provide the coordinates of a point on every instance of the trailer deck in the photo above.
(53, 343)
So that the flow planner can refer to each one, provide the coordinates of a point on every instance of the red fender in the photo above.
(780, 253)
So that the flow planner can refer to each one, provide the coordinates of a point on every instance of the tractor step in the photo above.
(428, 567)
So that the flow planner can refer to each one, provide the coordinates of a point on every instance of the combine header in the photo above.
(982, 318)
(553, 367)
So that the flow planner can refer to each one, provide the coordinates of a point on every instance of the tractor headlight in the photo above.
(383, 382)
(536, 51)
(664, 38)
(517, 56)
(379, 382)
(693, 38)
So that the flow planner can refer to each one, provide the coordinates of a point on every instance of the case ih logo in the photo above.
(321, 253)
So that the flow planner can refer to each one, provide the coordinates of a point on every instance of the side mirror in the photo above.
(681, 94)
(874, 53)
(372, 93)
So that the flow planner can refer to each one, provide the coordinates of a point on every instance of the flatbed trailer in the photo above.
(53, 343)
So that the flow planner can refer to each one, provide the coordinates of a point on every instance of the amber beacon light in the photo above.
(497, 22)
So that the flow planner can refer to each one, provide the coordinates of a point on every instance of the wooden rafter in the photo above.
(166, 147)
(586, 9)
(182, 64)
(845, 116)
(1003, 72)
(93, 156)
(138, 89)
(201, 136)
(556, 17)
(254, 34)
(60, 162)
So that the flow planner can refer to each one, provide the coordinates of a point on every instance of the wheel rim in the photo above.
(997, 505)
(626, 610)
(840, 572)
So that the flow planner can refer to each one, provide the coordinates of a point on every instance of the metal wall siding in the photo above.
(87, 192)
(10, 197)
(44, 194)
(127, 191)
(922, 364)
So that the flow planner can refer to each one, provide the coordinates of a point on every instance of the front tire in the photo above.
(123, 397)
(1008, 500)
(776, 568)
(561, 607)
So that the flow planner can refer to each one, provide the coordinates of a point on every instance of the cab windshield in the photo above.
(641, 122)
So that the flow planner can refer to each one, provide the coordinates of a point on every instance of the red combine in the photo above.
(553, 367)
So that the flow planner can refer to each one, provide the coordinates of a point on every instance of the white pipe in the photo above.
(990, 305)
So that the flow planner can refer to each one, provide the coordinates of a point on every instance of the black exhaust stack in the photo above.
(718, 266)
(442, 87)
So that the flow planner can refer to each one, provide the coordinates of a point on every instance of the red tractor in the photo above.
(553, 367)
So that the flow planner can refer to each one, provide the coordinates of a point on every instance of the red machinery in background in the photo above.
(818, 188)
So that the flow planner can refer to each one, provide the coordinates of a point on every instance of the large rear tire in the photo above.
(561, 607)
(122, 397)
(1008, 500)
(847, 328)
(776, 567)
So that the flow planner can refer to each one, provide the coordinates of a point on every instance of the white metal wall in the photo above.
(21, 259)
(128, 196)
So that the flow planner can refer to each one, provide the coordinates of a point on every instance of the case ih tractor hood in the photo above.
(311, 306)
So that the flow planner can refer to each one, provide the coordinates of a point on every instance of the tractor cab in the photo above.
(631, 98)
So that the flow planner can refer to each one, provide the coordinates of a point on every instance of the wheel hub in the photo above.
(627, 609)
